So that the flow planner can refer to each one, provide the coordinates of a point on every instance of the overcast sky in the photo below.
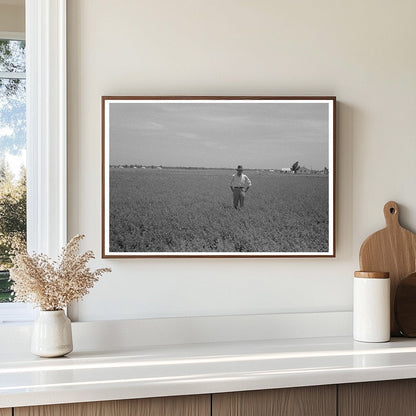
(256, 135)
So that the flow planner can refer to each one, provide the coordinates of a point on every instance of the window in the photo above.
(46, 134)
(12, 165)
(12, 155)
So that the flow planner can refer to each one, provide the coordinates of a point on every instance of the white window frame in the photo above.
(46, 134)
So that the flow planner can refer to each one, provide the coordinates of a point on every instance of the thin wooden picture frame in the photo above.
(168, 164)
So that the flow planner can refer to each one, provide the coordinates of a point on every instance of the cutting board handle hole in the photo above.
(392, 210)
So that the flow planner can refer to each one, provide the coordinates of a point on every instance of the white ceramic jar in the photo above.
(371, 309)
(52, 334)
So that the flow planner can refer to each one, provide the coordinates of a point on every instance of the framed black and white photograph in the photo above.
(218, 176)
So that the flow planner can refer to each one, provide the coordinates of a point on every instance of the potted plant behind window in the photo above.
(52, 286)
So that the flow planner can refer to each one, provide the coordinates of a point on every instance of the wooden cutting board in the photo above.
(393, 250)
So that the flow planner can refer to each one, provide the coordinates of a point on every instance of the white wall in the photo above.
(361, 51)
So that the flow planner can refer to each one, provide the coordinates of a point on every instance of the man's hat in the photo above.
(239, 167)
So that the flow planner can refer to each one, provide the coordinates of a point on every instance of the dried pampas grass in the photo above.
(53, 285)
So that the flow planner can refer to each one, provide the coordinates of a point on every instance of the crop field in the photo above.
(190, 210)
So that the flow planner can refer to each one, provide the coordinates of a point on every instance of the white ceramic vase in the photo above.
(52, 334)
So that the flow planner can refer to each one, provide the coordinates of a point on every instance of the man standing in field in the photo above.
(239, 186)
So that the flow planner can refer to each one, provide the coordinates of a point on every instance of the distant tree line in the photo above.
(294, 169)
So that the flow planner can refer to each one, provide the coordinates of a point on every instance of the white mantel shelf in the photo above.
(151, 371)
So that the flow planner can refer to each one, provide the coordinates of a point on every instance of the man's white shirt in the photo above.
(240, 181)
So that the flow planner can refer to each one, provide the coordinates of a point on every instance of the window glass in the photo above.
(12, 156)
(12, 56)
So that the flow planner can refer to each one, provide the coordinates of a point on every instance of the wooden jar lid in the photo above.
(372, 275)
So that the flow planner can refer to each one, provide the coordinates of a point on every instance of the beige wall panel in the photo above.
(12, 18)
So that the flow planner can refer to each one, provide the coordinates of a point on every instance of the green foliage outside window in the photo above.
(12, 224)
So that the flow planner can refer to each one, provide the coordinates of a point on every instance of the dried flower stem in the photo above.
(53, 285)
